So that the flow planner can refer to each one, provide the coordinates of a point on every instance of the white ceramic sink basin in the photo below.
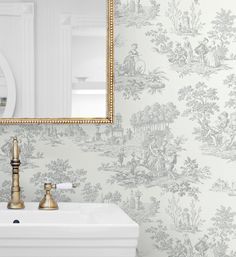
(75, 230)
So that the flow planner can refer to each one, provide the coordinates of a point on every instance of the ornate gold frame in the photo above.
(110, 87)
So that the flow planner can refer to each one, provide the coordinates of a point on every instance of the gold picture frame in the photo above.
(110, 86)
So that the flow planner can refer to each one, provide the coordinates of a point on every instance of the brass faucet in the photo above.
(15, 202)
(48, 202)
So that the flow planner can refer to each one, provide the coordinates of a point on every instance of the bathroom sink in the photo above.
(75, 230)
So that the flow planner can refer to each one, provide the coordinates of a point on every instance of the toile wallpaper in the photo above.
(169, 159)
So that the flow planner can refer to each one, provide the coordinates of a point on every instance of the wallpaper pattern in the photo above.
(169, 159)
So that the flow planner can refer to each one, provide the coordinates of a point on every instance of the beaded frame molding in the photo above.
(110, 86)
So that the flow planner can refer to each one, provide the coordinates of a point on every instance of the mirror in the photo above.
(7, 89)
(56, 61)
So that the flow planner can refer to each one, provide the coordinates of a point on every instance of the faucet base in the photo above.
(18, 205)
(48, 203)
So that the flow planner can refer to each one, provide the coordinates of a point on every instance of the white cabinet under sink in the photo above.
(75, 230)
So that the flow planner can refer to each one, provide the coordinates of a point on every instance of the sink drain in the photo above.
(16, 221)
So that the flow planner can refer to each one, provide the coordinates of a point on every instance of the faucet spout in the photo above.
(15, 202)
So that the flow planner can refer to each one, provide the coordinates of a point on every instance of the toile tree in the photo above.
(91, 192)
(174, 13)
(155, 117)
(155, 9)
(230, 81)
(201, 103)
(192, 169)
(223, 30)
(158, 233)
(115, 197)
(159, 37)
(196, 24)
(222, 230)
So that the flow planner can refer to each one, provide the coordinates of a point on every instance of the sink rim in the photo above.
(63, 206)
(58, 218)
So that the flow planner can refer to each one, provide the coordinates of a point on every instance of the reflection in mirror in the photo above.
(7, 89)
(60, 66)
(88, 67)
(3, 93)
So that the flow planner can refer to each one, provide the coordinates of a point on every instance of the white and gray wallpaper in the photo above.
(169, 159)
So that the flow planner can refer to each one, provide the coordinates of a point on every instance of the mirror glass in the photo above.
(88, 53)
(7, 89)
(56, 53)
